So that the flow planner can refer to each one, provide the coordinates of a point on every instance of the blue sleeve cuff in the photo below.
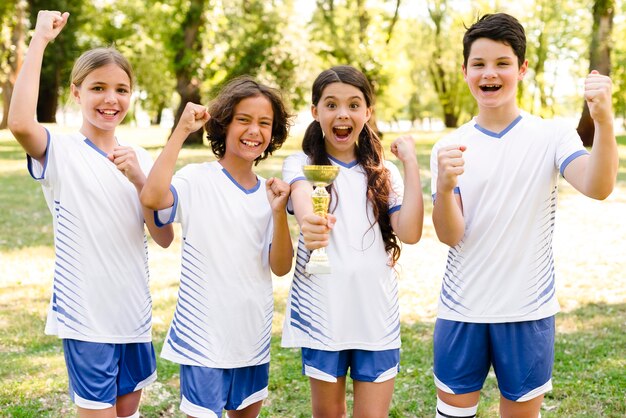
(572, 158)
(157, 220)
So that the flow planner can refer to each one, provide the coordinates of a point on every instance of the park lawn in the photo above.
(589, 374)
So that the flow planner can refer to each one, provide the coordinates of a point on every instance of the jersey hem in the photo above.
(498, 319)
(102, 339)
(214, 365)
(340, 347)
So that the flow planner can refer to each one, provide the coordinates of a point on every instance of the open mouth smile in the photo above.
(250, 144)
(108, 112)
(490, 87)
(342, 132)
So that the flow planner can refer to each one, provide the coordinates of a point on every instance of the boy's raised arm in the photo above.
(156, 193)
(595, 175)
(447, 210)
(281, 252)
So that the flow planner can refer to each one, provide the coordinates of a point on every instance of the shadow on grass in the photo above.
(588, 379)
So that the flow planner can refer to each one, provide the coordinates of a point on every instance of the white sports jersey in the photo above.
(356, 305)
(101, 284)
(223, 316)
(502, 270)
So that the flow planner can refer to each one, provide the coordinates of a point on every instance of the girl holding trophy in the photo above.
(343, 312)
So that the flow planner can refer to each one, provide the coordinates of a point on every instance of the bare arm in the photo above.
(407, 223)
(21, 119)
(156, 193)
(448, 210)
(281, 253)
(595, 175)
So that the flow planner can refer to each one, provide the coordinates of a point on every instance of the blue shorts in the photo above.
(365, 366)
(206, 392)
(99, 373)
(522, 355)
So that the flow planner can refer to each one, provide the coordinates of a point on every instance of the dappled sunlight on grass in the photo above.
(590, 266)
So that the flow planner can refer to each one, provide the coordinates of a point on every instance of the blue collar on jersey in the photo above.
(500, 134)
(94, 146)
(246, 191)
(341, 163)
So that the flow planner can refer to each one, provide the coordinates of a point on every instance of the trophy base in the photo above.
(316, 267)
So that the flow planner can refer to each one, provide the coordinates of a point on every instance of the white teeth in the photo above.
(250, 143)
(342, 127)
(109, 112)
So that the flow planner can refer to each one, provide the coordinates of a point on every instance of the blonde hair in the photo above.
(96, 58)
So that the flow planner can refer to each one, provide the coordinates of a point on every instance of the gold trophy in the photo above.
(321, 176)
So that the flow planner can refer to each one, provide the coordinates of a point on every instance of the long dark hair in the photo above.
(369, 151)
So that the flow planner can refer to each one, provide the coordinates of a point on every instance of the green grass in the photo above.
(589, 378)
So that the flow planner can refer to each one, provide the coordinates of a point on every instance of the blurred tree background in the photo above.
(410, 50)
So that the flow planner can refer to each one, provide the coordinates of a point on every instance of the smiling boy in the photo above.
(494, 183)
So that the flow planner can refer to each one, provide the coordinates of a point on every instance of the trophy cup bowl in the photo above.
(320, 176)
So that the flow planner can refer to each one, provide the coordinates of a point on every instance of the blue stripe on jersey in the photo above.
(183, 325)
(297, 179)
(29, 160)
(498, 134)
(145, 326)
(305, 300)
(95, 147)
(68, 271)
(542, 284)
(157, 220)
(64, 249)
(243, 189)
(265, 336)
(341, 163)
(191, 309)
(179, 344)
(572, 158)
(395, 209)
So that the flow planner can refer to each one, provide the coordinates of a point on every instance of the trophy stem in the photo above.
(318, 263)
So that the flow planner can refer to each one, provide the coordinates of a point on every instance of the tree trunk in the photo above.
(450, 119)
(189, 93)
(599, 58)
(156, 120)
(18, 40)
(7, 91)
(186, 66)
(48, 102)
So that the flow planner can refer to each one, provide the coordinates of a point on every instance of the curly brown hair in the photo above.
(369, 152)
(222, 111)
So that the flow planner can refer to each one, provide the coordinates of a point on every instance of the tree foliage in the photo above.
(12, 15)
(599, 58)
(253, 37)
(410, 51)
(60, 54)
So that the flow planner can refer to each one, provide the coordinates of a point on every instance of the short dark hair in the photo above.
(222, 111)
(500, 27)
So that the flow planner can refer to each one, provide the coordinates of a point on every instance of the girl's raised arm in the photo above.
(21, 120)
(408, 222)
